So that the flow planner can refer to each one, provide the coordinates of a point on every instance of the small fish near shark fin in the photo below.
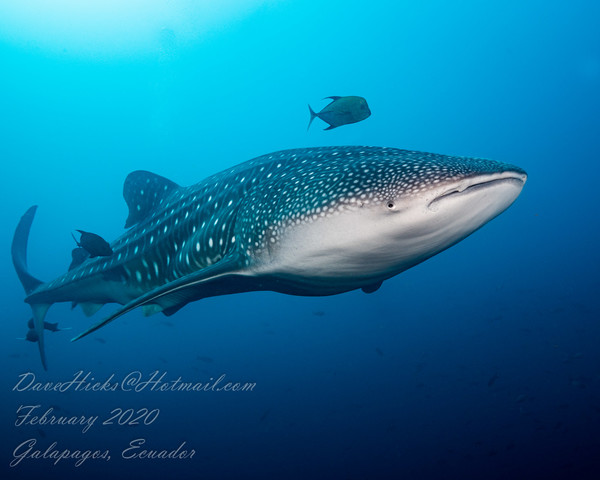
(143, 191)
(93, 244)
(174, 291)
(334, 98)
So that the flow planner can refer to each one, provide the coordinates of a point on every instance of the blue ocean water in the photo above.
(480, 363)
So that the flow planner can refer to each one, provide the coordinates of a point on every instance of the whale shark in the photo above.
(312, 222)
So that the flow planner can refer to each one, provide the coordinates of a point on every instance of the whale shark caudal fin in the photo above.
(177, 293)
(19, 251)
(29, 282)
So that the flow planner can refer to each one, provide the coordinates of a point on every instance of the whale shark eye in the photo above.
(391, 205)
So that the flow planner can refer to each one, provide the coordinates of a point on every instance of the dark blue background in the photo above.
(480, 363)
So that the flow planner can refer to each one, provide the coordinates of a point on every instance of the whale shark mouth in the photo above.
(475, 184)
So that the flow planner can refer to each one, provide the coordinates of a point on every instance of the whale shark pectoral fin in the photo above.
(143, 192)
(174, 293)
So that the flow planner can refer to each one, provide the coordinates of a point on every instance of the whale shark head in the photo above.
(393, 211)
(442, 209)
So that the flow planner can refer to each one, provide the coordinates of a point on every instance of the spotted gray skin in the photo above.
(316, 221)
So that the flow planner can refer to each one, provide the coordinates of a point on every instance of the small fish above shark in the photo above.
(341, 111)
(313, 221)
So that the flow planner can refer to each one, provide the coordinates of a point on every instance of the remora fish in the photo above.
(53, 327)
(93, 244)
(315, 221)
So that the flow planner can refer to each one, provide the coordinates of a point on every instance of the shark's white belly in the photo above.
(342, 252)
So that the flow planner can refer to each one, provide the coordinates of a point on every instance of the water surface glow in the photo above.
(114, 27)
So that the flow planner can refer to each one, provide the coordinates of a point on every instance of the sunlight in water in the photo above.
(115, 27)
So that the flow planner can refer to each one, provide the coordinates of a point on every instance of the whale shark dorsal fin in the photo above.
(143, 192)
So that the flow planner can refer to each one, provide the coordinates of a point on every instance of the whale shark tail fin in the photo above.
(19, 251)
(29, 282)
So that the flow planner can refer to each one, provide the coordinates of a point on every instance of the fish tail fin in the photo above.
(313, 115)
(29, 282)
(76, 242)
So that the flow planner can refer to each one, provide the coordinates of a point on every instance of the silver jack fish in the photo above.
(314, 221)
(341, 111)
